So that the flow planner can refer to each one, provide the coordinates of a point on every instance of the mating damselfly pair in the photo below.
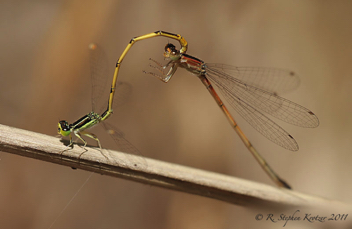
(251, 91)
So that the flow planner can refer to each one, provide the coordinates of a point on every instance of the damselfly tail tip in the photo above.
(284, 184)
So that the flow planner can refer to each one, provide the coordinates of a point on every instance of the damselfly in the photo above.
(242, 88)
(78, 128)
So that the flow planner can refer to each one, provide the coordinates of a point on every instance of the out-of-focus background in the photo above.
(44, 72)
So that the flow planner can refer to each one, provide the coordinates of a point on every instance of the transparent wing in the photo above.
(99, 77)
(260, 99)
(276, 81)
(123, 90)
(256, 119)
(133, 155)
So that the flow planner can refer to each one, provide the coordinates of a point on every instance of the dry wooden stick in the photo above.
(176, 177)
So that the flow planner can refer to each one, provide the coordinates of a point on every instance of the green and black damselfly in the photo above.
(98, 65)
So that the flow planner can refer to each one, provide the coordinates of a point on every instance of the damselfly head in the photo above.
(171, 52)
(170, 47)
(63, 128)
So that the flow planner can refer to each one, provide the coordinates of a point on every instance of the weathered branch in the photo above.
(153, 172)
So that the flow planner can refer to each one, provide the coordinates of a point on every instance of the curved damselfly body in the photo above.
(251, 91)
(79, 128)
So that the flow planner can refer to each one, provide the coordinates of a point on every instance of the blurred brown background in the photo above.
(44, 71)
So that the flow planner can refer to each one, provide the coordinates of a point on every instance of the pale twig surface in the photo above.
(153, 172)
